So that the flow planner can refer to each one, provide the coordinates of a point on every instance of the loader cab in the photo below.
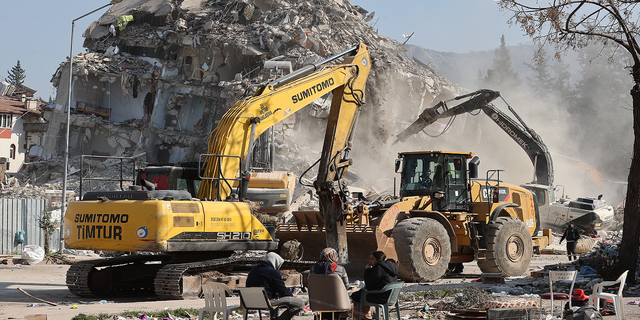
(433, 174)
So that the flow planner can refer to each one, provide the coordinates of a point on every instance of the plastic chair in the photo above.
(215, 300)
(327, 294)
(256, 298)
(559, 276)
(392, 300)
(616, 298)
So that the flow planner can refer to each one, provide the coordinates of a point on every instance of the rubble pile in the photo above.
(159, 75)
(40, 177)
(603, 255)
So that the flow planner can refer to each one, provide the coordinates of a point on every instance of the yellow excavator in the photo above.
(193, 237)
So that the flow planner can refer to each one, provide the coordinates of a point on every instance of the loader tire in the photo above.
(423, 249)
(509, 248)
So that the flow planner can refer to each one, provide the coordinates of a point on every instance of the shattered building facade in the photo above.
(159, 74)
(21, 128)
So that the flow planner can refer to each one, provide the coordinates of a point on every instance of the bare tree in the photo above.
(573, 24)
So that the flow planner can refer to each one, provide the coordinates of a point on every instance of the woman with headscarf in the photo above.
(327, 265)
(266, 275)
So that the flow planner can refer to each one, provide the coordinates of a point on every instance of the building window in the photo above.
(12, 152)
(5, 121)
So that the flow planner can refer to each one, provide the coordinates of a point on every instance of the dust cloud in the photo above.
(394, 100)
(574, 171)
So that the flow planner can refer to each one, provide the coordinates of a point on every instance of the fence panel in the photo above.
(23, 214)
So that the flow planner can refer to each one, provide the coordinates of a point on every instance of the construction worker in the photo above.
(571, 235)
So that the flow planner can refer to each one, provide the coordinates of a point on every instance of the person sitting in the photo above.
(379, 272)
(266, 275)
(327, 265)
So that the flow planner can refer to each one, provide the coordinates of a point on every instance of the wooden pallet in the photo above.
(468, 314)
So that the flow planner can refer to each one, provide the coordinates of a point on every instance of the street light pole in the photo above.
(63, 209)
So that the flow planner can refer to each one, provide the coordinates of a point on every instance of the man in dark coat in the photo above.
(571, 235)
(266, 275)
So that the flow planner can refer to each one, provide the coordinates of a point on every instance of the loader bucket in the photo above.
(361, 241)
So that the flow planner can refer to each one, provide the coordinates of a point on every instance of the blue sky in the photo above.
(38, 32)
(444, 25)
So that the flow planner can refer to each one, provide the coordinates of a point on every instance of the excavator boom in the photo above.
(247, 119)
(524, 136)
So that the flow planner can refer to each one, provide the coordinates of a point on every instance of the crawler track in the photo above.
(136, 276)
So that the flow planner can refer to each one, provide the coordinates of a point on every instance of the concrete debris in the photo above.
(39, 179)
(158, 76)
(603, 255)
(177, 65)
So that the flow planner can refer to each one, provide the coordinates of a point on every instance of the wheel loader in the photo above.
(587, 213)
(445, 215)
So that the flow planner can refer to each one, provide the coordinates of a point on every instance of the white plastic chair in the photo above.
(616, 298)
(215, 300)
(559, 276)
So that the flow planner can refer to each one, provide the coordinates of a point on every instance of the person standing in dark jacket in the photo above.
(379, 273)
(571, 235)
(266, 275)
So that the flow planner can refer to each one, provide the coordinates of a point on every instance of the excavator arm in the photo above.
(524, 136)
(232, 141)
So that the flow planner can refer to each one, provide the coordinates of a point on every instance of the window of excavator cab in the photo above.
(540, 195)
(190, 185)
(419, 171)
(456, 173)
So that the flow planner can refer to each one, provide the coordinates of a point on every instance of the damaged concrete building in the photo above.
(21, 128)
(159, 74)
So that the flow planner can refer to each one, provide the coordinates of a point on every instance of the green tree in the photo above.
(572, 24)
(541, 83)
(561, 82)
(601, 92)
(16, 75)
(501, 75)
(48, 227)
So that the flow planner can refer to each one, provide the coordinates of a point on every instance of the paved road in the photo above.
(48, 282)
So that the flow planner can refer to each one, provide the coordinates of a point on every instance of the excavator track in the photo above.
(171, 283)
(175, 281)
(78, 278)
(93, 278)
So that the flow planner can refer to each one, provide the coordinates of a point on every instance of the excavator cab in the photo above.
(435, 174)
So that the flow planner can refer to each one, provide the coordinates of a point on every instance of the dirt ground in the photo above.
(47, 281)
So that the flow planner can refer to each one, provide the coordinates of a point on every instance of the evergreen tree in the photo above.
(541, 83)
(16, 75)
(602, 98)
(501, 76)
(561, 83)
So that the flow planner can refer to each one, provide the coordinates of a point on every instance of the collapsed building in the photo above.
(158, 75)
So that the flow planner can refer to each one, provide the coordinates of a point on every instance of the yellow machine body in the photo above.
(163, 226)
(452, 222)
